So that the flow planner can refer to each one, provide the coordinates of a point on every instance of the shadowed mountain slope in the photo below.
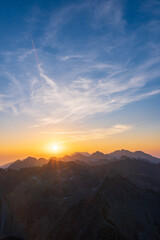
(68, 200)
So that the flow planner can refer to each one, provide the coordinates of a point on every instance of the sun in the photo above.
(55, 148)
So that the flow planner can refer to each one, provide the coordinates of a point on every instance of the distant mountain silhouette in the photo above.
(97, 155)
(86, 154)
(137, 154)
(6, 165)
(74, 157)
(28, 162)
(122, 152)
(95, 158)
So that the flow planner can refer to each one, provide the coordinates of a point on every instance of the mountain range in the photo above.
(74, 200)
(93, 159)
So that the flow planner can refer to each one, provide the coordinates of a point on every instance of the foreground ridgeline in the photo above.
(104, 199)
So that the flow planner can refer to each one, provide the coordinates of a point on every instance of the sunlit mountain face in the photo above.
(79, 76)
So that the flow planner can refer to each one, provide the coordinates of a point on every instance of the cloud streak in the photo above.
(81, 97)
(96, 73)
(92, 134)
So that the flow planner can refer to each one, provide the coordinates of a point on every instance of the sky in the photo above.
(79, 75)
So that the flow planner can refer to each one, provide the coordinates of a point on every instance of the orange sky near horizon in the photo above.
(79, 75)
(41, 145)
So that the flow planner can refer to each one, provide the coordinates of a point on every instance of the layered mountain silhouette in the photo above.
(93, 159)
(137, 154)
(97, 156)
(75, 200)
(28, 162)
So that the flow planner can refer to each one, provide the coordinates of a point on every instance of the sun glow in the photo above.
(55, 148)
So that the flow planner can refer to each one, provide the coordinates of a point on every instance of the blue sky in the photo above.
(79, 65)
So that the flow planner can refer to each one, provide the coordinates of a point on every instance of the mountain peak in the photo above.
(83, 157)
(97, 153)
(86, 154)
(27, 162)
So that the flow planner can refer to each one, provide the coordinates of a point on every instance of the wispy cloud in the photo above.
(65, 58)
(110, 13)
(92, 134)
(80, 98)
(96, 73)
(58, 19)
